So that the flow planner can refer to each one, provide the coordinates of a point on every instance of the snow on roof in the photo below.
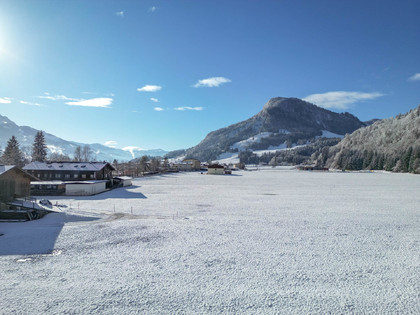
(86, 182)
(67, 166)
(60, 182)
(5, 168)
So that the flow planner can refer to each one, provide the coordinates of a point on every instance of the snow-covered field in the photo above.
(260, 242)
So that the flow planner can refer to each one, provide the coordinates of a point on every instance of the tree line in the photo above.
(391, 144)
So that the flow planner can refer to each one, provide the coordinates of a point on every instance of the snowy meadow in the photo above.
(271, 241)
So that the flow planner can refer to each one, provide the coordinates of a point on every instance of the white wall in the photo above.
(85, 189)
(216, 171)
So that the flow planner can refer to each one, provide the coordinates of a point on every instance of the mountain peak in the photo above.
(281, 120)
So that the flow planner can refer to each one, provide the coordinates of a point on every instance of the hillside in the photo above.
(283, 123)
(391, 144)
(25, 135)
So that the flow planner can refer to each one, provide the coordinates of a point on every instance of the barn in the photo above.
(14, 183)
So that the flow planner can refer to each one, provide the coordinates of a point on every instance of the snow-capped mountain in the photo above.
(25, 135)
(282, 123)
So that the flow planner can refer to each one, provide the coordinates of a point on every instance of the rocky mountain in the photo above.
(25, 135)
(391, 144)
(282, 123)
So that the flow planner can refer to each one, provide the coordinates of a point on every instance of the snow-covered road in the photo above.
(266, 242)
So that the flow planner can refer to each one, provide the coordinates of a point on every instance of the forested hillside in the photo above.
(391, 144)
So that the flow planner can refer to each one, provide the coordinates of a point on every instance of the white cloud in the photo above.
(149, 88)
(152, 9)
(5, 100)
(340, 99)
(189, 108)
(57, 97)
(158, 109)
(111, 144)
(30, 103)
(131, 149)
(414, 77)
(103, 102)
(154, 100)
(120, 13)
(212, 82)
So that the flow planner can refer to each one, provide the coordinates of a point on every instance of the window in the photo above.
(75, 176)
(92, 176)
(57, 175)
(67, 176)
(83, 175)
(38, 175)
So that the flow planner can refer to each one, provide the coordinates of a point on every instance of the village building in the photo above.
(216, 169)
(68, 188)
(187, 165)
(14, 183)
(70, 171)
(70, 178)
(123, 181)
(195, 164)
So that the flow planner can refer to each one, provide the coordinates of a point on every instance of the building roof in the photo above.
(123, 177)
(67, 166)
(216, 166)
(5, 168)
(60, 182)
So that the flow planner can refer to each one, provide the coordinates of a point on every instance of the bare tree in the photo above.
(87, 153)
(78, 154)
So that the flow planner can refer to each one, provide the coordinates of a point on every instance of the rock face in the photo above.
(282, 120)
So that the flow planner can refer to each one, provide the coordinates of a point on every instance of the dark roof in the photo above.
(216, 166)
(67, 166)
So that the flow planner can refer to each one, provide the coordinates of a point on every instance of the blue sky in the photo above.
(162, 74)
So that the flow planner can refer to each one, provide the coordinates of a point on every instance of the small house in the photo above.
(123, 181)
(216, 169)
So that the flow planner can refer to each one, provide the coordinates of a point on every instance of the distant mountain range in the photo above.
(25, 135)
(282, 123)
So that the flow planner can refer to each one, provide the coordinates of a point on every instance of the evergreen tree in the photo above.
(39, 148)
(12, 154)
(144, 163)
